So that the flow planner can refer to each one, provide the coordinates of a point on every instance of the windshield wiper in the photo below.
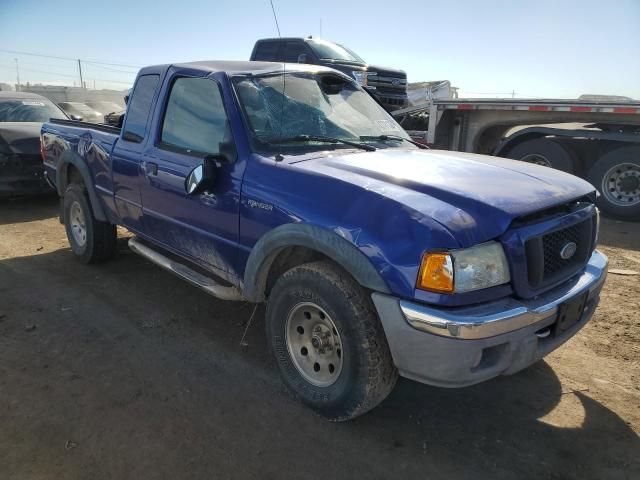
(383, 138)
(319, 138)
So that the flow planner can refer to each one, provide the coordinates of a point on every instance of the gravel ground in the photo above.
(124, 371)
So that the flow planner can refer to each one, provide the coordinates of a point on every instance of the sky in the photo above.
(537, 48)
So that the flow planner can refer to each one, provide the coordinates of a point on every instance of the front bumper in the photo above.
(461, 346)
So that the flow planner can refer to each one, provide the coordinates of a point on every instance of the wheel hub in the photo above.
(537, 158)
(314, 344)
(629, 183)
(78, 224)
(621, 184)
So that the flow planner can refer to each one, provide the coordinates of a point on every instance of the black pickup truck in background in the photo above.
(388, 85)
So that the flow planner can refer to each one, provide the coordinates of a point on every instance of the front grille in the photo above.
(398, 84)
(552, 244)
(545, 263)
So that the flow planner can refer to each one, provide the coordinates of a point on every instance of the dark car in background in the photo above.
(80, 111)
(104, 108)
(21, 117)
(387, 85)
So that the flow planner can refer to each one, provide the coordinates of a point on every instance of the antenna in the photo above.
(279, 156)
(275, 18)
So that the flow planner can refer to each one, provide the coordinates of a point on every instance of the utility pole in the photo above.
(17, 74)
(80, 70)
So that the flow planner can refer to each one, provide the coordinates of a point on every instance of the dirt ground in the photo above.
(124, 371)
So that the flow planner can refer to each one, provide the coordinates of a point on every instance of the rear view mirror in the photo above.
(203, 176)
(77, 118)
(302, 58)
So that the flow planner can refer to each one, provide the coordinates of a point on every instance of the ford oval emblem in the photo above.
(395, 81)
(568, 250)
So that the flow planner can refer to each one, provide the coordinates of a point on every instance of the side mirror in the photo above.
(302, 58)
(201, 177)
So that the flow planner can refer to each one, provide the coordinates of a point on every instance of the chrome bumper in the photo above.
(461, 346)
(495, 318)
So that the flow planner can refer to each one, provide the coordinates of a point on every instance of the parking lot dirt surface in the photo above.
(123, 371)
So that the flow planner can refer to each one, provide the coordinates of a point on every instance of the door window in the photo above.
(195, 121)
(139, 108)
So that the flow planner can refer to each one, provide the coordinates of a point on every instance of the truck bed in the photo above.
(103, 127)
(82, 140)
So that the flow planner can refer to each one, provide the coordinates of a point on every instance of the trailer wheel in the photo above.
(617, 176)
(91, 240)
(327, 339)
(545, 152)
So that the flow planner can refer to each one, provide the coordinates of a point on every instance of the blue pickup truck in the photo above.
(290, 185)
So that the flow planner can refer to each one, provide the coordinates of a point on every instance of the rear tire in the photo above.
(91, 240)
(543, 151)
(616, 175)
(328, 342)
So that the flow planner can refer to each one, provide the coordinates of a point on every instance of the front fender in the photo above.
(315, 238)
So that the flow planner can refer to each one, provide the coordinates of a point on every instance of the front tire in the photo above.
(328, 341)
(91, 240)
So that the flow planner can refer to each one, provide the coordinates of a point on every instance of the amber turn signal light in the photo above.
(436, 273)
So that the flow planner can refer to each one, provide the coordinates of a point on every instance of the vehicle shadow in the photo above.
(143, 334)
(28, 209)
(526, 425)
(619, 234)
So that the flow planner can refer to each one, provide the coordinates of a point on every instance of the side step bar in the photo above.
(207, 284)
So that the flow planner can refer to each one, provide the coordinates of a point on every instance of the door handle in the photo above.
(151, 168)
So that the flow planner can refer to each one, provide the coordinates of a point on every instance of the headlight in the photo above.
(464, 270)
(362, 77)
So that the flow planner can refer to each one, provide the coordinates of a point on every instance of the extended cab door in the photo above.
(127, 152)
(190, 122)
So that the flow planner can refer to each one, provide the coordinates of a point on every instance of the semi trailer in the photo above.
(595, 140)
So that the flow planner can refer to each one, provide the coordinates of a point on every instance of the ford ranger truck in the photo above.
(376, 257)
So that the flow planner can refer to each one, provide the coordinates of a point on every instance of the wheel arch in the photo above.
(509, 143)
(293, 244)
(70, 163)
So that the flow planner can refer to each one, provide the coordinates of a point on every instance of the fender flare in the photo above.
(71, 158)
(324, 241)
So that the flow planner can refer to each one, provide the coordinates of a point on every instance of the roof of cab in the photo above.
(238, 67)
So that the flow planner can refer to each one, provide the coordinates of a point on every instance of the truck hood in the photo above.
(20, 137)
(475, 197)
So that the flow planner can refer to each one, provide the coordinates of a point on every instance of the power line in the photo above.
(15, 52)
(109, 69)
(57, 74)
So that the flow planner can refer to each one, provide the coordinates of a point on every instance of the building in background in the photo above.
(58, 93)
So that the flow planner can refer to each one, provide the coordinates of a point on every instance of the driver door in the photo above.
(201, 226)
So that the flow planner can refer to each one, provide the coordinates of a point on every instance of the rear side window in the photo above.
(195, 121)
(294, 50)
(139, 108)
(268, 52)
